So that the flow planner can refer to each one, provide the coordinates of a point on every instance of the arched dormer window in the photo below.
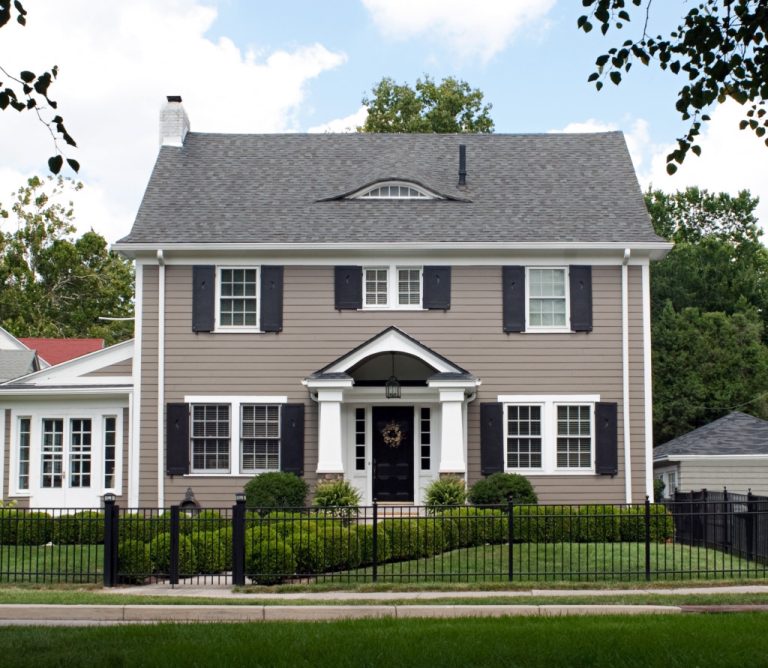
(394, 190)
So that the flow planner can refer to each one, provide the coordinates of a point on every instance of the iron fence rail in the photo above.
(698, 536)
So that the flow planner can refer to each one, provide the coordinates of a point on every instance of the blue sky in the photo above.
(301, 65)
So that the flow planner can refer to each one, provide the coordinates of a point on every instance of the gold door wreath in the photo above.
(392, 434)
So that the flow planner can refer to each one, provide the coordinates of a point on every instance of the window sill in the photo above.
(237, 330)
(555, 472)
(393, 308)
(548, 330)
(198, 474)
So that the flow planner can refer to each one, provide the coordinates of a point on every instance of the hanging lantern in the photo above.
(392, 386)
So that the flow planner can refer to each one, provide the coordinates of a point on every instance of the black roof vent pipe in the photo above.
(462, 165)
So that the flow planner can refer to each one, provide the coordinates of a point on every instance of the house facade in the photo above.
(389, 309)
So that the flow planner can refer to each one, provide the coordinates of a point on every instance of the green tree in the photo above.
(53, 284)
(29, 92)
(704, 365)
(718, 260)
(450, 106)
(720, 46)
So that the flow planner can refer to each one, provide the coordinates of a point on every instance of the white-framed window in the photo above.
(425, 438)
(547, 299)
(80, 433)
(549, 434)
(394, 190)
(237, 298)
(109, 437)
(259, 437)
(392, 287)
(52, 452)
(23, 452)
(234, 435)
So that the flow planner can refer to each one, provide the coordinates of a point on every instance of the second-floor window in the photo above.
(547, 298)
(392, 287)
(238, 302)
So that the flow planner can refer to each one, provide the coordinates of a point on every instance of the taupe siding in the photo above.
(124, 368)
(738, 475)
(470, 334)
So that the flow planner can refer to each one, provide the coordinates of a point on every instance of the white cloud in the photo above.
(635, 134)
(731, 160)
(481, 28)
(347, 124)
(117, 61)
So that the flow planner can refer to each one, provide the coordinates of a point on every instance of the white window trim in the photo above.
(229, 329)
(427, 194)
(392, 288)
(118, 451)
(551, 330)
(96, 415)
(549, 405)
(235, 452)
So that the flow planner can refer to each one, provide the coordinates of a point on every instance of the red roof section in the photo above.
(55, 351)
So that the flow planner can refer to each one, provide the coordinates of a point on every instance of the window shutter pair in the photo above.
(513, 298)
(177, 443)
(436, 288)
(204, 298)
(492, 438)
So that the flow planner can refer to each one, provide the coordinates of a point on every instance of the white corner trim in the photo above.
(134, 440)
(161, 379)
(647, 378)
(542, 398)
(625, 375)
(2, 454)
(235, 399)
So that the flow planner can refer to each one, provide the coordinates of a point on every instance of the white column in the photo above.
(452, 431)
(329, 450)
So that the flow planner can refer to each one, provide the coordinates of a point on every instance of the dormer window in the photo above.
(394, 190)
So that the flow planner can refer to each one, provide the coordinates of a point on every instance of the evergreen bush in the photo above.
(275, 490)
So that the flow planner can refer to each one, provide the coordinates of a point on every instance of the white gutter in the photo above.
(647, 379)
(59, 391)
(134, 442)
(160, 379)
(625, 373)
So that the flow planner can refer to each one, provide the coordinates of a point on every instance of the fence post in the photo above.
(647, 538)
(238, 540)
(110, 540)
(173, 569)
(750, 528)
(511, 537)
(375, 543)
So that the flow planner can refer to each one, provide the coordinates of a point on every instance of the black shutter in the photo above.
(177, 439)
(513, 296)
(271, 299)
(437, 288)
(491, 438)
(292, 438)
(581, 298)
(606, 439)
(203, 298)
(349, 287)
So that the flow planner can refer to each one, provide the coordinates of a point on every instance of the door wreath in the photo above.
(392, 434)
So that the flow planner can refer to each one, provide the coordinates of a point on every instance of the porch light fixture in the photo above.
(392, 386)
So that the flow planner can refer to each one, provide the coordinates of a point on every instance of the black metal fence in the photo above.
(688, 538)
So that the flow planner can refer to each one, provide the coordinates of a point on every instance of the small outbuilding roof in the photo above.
(17, 363)
(734, 434)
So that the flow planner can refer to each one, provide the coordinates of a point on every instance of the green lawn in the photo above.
(565, 562)
(691, 640)
(54, 563)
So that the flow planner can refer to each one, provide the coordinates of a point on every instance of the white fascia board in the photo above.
(232, 399)
(74, 370)
(454, 384)
(683, 458)
(327, 383)
(653, 250)
(42, 391)
(9, 342)
(543, 398)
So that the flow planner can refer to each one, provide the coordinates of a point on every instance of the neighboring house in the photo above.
(56, 351)
(15, 358)
(731, 452)
(65, 428)
(389, 309)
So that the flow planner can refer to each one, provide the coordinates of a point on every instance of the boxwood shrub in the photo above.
(34, 528)
(413, 539)
(83, 528)
(204, 521)
(500, 487)
(138, 526)
(325, 548)
(269, 562)
(210, 555)
(275, 489)
(224, 538)
(363, 534)
(9, 525)
(632, 524)
(133, 562)
(160, 554)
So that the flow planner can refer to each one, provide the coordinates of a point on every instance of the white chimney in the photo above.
(174, 122)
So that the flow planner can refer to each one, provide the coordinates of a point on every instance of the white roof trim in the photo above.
(10, 341)
(682, 458)
(72, 371)
(392, 341)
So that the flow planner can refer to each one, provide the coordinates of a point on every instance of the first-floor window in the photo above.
(80, 453)
(110, 451)
(425, 433)
(24, 447)
(574, 437)
(524, 437)
(210, 437)
(260, 437)
(53, 452)
(360, 439)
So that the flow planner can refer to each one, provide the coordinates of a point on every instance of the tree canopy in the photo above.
(29, 92)
(720, 46)
(53, 284)
(450, 106)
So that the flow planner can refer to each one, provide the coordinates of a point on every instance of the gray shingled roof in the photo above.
(734, 434)
(16, 363)
(268, 189)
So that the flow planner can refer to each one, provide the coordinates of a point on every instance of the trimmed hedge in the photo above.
(210, 554)
(83, 528)
(363, 534)
(632, 524)
(500, 487)
(138, 526)
(160, 554)
(224, 538)
(324, 548)
(133, 562)
(204, 521)
(275, 490)
(412, 539)
(268, 562)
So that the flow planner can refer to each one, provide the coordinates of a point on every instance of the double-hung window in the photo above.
(237, 302)
(547, 299)
(549, 434)
(210, 438)
(260, 437)
(392, 287)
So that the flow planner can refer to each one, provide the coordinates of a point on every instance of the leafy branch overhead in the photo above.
(721, 46)
(29, 92)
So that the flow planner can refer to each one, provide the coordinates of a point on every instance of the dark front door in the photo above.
(393, 453)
